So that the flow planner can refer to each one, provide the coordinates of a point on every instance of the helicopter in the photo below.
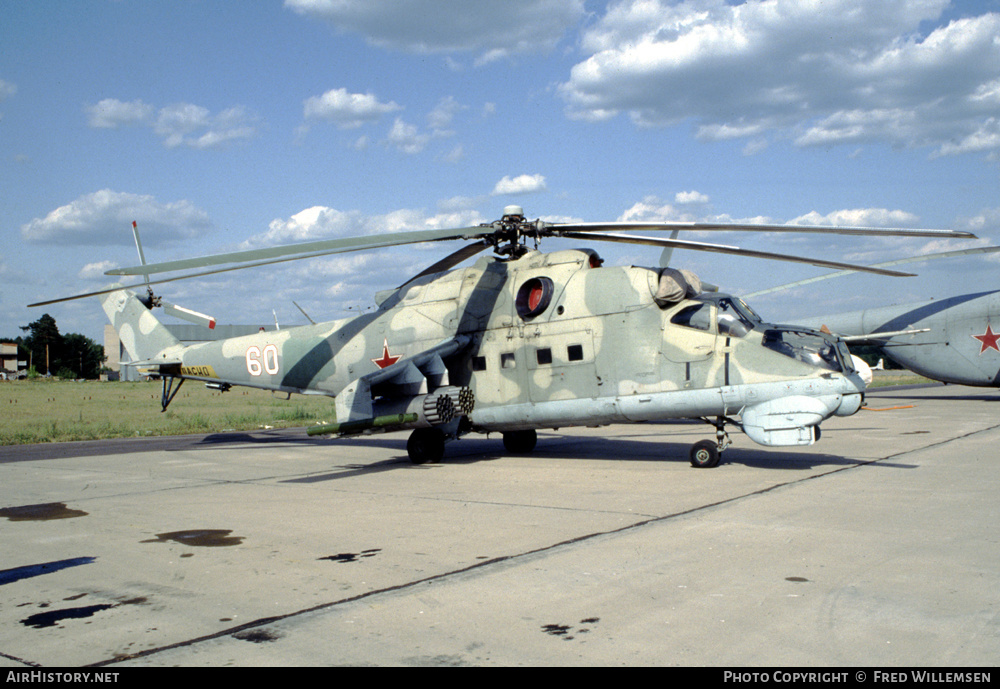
(523, 340)
(949, 340)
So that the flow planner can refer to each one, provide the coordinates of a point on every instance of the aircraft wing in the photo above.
(157, 366)
(408, 379)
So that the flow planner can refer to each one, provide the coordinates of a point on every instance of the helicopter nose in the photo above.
(850, 404)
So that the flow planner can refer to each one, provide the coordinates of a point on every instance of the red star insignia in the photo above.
(989, 340)
(386, 359)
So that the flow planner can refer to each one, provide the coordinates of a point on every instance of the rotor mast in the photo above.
(510, 232)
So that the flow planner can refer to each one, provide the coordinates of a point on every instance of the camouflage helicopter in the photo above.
(523, 340)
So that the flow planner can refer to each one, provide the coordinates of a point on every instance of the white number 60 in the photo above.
(269, 359)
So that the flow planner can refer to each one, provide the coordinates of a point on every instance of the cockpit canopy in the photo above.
(733, 317)
(810, 347)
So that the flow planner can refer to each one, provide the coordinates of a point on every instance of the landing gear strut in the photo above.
(169, 391)
(706, 454)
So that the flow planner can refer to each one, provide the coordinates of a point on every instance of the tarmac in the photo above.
(876, 547)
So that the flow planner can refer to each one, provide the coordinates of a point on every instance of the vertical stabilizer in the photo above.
(138, 329)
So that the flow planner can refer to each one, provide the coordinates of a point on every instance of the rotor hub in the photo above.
(512, 230)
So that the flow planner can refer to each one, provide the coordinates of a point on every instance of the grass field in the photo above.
(39, 411)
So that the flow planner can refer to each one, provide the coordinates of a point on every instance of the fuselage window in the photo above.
(698, 316)
(543, 356)
(507, 360)
(574, 352)
(478, 363)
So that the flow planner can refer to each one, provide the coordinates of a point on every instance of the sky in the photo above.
(223, 125)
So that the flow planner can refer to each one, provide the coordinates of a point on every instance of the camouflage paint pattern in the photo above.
(601, 350)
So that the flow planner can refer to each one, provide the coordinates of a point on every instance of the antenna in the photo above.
(304, 313)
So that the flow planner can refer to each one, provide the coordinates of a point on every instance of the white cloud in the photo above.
(440, 118)
(181, 124)
(652, 209)
(754, 146)
(686, 197)
(112, 113)
(191, 125)
(347, 110)
(522, 184)
(843, 71)
(986, 221)
(859, 217)
(95, 271)
(454, 155)
(407, 138)
(351, 279)
(313, 223)
(105, 217)
(986, 138)
(321, 222)
(492, 30)
(7, 89)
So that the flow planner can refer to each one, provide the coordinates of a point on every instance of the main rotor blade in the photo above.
(911, 259)
(478, 246)
(725, 249)
(306, 250)
(451, 260)
(561, 228)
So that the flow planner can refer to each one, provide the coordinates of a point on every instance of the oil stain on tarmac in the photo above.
(208, 538)
(352, 557)
(51, 618)
(39, 513)
(566, 632)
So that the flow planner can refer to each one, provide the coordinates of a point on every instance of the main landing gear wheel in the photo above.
(520, 442)
(705, 454)
(425, 445)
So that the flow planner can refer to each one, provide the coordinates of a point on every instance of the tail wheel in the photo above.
(705, 454)
(520, 442)
(425, 445)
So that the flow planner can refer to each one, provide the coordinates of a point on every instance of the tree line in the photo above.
(48, 352)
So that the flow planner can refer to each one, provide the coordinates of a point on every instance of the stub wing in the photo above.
(414, 392)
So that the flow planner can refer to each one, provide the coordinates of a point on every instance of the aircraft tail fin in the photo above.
(138, 329)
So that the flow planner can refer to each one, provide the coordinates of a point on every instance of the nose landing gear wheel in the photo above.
(520, 442)
(705, 454)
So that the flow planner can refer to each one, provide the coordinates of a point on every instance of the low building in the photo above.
(10, 367)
